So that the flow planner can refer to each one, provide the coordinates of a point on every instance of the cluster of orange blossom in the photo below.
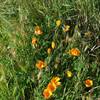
(37, 31)
(51, 87)
(88, 83)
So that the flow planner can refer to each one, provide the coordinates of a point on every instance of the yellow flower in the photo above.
(47, 93)
(74, 52)
(68, 73)
(55, 80)
(40, 64)
(34, 41)
(58, 23)
(53, 44)
(88, 83)
(49, 50)
(66, 28)
(37, 30)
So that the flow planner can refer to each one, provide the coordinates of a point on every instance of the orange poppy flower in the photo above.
(34, 41)
(55, 80)
(40, 64)
(49, 50)
(74, 52)
(38, 30)
(52, 87)
(88, 83)
(47, 93)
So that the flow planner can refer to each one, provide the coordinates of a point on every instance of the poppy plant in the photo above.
(74, 52)
(47, 93)
(88, 83)
(51, 87)
(55, 80)
(40, 64)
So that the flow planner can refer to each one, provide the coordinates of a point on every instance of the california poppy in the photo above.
(52, 87)
(74, 52)
(88, 83)
(40, 64)
(47, 93)
(55, 80)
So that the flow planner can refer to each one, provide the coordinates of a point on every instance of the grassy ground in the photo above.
(20, 79)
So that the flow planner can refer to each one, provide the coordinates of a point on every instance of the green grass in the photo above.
(18, 73)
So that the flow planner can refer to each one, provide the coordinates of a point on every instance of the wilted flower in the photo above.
(69, 73)
(53, 45)
(37, 30)
(88, 34)
(66, 28)
(74, 52)
(49, 50)
(34, 41)
(40, 64)
(47, 93)
(88, 83)
(58, 23)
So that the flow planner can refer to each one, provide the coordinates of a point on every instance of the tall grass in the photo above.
(18, 74)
